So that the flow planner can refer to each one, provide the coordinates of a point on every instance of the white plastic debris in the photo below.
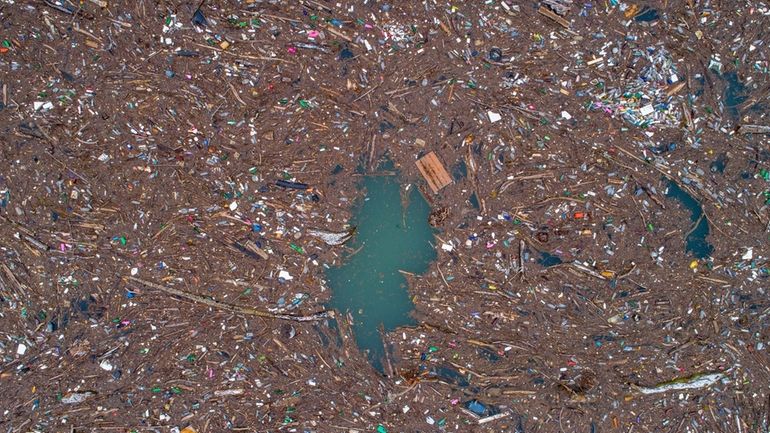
(42, 106)
(76, 397)
(494, 117)
(226, 392)
(331, 238)
(749, 254)
(646, 110)
(106, 365)
(695, 382)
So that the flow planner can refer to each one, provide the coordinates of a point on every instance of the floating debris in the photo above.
(696, 381)
(331, 238)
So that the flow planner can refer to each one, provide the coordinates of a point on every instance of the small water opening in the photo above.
(393, 235)
(696, 241)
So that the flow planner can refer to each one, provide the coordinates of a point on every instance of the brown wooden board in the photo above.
(433, 171)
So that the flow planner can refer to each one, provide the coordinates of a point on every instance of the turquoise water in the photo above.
(647, 15)
(369, 284)
(547, 260)
(696, 240)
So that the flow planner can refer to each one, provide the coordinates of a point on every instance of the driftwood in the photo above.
(321, 315)
(754, 129)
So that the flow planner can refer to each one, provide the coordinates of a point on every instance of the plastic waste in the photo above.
(332, 238)
(696, 381)
(76, 397)
(291, 185)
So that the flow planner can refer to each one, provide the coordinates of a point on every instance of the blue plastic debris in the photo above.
(198, 19)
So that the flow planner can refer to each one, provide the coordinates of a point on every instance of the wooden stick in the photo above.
(365, 93)
(510, 182)
(321, 315)
(235, 93)
(245, 56)
(587, 270)
(442, 274)
(388, 363)
(494, 417)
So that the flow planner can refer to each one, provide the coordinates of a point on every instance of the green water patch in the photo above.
(547, 260)
(459, 171)
(735, 93)
(393, 235)
(647, 15)
(719, 164)
(696, 238)
(474, 201)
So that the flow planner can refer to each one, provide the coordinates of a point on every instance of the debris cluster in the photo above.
(179, 182)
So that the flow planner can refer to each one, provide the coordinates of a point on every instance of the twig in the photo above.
(280, 18)
(587, 270)
(365, 93)
(235, 93)
(321, 315)
(442, 274)
(272, 59)
(388, 362)
(393, 397)
(65, 165)
(627, 273)
(494, 417)
(713, 280)
(695, 225)
(338, 33)
(371, 153)
(572, 199)
(12, 278)
(510, 182)
(87, 33)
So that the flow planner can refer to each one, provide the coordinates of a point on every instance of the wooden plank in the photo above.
(433, 171)
(442, 174)
(547, 12)
(426, 175)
